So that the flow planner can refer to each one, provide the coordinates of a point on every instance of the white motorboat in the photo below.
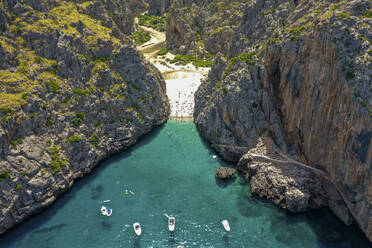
(137, 228)
(106, 211)
(103, 210)
(226, 225)
(171, 223)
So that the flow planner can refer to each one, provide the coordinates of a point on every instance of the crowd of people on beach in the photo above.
(183, 105)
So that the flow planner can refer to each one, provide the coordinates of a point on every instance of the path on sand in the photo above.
(182, 80)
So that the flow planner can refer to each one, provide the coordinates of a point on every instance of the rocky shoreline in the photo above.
(291, 107)
(92, 97)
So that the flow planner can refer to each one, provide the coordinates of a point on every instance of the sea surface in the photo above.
(172, 171)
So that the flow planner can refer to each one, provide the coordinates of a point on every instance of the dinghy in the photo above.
(226, 225)
(109, 211)
(171, 223)
(137, 228)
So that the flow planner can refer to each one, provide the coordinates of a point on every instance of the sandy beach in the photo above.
(182, 80)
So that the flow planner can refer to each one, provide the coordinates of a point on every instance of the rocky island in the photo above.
(287, 98)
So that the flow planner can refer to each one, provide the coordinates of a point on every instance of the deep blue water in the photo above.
(173, 171)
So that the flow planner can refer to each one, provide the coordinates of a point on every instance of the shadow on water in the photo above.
(34, 222)
(285, 226)
(226, 240)
(137, 243)
(223, 183)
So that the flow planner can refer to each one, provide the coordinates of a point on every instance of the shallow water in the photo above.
(172, 171)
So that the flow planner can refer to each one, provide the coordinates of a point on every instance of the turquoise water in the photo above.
(172, 171)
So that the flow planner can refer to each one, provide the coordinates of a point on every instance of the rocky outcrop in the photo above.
(300, 75)
(158, 7)
(73, 91)
(225, 172)
(201, 27)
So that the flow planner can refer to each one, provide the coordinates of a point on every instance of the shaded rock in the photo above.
(225, 172)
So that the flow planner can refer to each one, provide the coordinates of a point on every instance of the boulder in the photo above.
(225, 172)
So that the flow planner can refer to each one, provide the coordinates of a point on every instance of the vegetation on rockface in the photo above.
(73, 139)
(33, 70)
(94, 140)
(140, 37)
(158, 23)
(196, 61)
(4, 174)
(19, 187)
(68, 72)
(56, 161)
(204, 26)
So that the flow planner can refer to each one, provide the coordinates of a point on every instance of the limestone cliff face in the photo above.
(200, 27)
(73, 91)
(158, 7)
(308, 69)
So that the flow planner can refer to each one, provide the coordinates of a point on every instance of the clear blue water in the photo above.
(172, 171)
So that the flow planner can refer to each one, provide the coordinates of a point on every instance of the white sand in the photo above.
(182, 80)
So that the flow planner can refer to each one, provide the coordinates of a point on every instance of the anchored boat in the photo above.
(171, 223)
(106, 211)
(137, 228)
(226, 225)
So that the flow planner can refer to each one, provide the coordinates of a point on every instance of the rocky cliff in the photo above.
(292, 101)
(158, 7)
(73, 91)
(201, 27)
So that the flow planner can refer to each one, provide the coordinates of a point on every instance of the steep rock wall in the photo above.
(309, 67)
(73, 91)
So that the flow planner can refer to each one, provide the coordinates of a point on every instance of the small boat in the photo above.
(226, 225)
(137, 228)
(109, 211)
(171, 223)
(103, 210)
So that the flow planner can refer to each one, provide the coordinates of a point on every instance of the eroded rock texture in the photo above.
(296, 87)
(73, 91)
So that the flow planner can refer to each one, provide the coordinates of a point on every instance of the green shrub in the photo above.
(81, 92)
(16, 142)
(4, 174)
(267, 12)
(368, 13)
(19, 187)
(49, 122)
(6, 110)
(56, 161)
(73, 139)
(153, 21)
(140, 37)
(53, 86)
(162, 52)
(196, 61)
(80, 115)
(94, 140)
(245, 58)
(77, 122)
(344, 15)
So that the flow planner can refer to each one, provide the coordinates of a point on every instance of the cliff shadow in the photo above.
(35, 222)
